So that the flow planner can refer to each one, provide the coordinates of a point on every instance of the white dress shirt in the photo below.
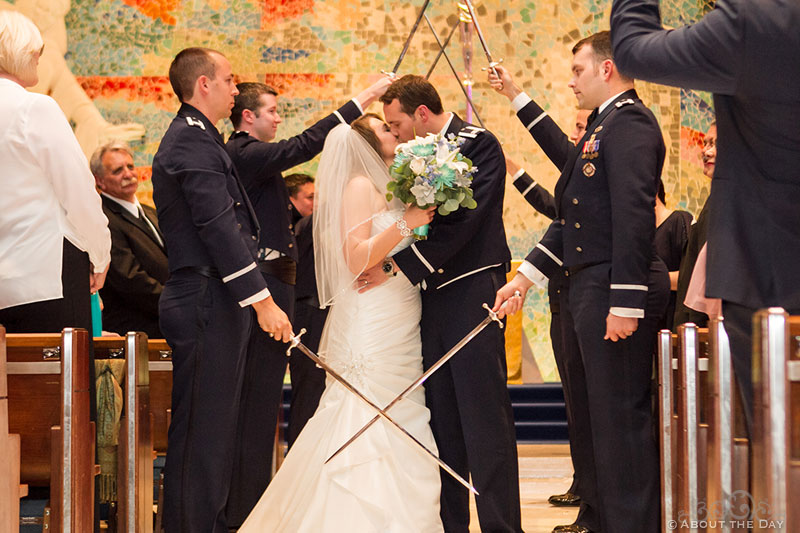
(136, 211)
(48, 195)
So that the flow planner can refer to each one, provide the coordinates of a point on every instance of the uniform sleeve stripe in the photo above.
(518, 174)
(422, 259)
(536, 120)
(263, 294)
(529, 189)
(628, 287)
(550, 254)
(238, 273)
(340, 117)
(358, 105)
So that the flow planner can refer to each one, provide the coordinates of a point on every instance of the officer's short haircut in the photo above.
(601, 49)
(188, 65)
(96, 161)
(20, 40)
(295, 181)
(249, 97)
(413, 91)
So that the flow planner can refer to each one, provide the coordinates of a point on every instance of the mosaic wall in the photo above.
(318, 53)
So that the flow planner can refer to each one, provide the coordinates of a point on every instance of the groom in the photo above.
(459, 267)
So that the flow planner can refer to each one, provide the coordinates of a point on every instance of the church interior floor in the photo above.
(544, 469)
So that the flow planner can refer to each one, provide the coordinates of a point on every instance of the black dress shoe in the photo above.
(565, 500)
(571, 528)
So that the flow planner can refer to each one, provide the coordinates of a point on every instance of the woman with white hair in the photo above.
(54, 239)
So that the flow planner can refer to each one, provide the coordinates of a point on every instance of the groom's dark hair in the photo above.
(413, 91)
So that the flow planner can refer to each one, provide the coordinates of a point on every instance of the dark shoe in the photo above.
(571, 528)
(565, 500)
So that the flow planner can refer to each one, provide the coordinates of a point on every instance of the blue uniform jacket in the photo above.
(203, 211)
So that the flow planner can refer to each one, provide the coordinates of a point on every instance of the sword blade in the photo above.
(410, 36)
(485, 47)
(442, 47)
(381, 413)
(425, 375)
(453, 69)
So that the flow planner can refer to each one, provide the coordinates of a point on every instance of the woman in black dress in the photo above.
(672, 234)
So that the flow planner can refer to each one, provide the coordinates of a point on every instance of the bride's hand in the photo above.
(416, 217)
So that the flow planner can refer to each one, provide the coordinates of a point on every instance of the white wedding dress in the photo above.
(382, 482)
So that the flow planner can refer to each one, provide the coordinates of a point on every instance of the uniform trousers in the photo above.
(208, 333)
(308, 381)
(471, 415)
(611, 393)
(265, 368)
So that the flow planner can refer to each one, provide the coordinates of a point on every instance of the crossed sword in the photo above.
(469, 14)
(382, 413)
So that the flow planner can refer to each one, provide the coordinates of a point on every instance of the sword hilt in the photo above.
(295, 341)
(392, 75)
(493, 315)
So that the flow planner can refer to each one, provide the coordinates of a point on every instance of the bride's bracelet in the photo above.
(401, 224)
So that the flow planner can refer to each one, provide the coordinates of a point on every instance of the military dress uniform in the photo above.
(460, 266)
(259, 165)
(211, 232)
(545, 203)
(602, 240)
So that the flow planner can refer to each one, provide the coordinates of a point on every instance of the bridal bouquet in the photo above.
(431, 170)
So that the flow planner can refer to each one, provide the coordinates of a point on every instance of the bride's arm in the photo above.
(361, 203)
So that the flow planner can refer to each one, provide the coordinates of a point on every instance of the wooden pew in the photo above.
(135, 450)
(48, 403)
(776, 431)
(10, 489)
(160, 365)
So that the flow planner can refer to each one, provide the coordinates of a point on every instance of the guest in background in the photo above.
(54, 238)
(139, 266)
(696, 241)
(672, 234)
(301, 194)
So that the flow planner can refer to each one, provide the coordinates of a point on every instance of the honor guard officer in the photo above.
(544, 202)
(458, 266)
(603, 241)
(205, 309)
(259, 163)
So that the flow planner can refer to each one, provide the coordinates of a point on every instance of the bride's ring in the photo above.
(272, 335)
(366, 283)
(517, 294)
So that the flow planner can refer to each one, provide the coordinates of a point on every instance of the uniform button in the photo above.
(254, 237)
(290, 207)
(579, 249)
(577, 225)
(566, 273)
(239, 226)
(563, 222)
(575, 201)
(238, 204)
(558, 291)
(291, 226)
(440, 271)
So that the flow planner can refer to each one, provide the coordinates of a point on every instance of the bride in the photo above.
(381, 482)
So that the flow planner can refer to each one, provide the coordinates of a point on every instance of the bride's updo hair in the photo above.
(362, 127)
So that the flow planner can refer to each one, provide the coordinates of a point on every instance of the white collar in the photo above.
(447, 125)
(608, 102)
(130, 207)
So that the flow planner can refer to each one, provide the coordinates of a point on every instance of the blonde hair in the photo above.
(20, 40)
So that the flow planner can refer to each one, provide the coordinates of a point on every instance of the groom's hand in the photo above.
(371, 278)
(273, 320)
(511, 296)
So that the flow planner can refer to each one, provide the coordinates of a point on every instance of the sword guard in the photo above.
(295, 341)
(493, 315)
(492, 65)
(392, 75)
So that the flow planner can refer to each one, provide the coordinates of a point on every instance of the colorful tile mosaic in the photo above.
(318, 53)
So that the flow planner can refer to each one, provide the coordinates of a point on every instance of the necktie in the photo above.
(149, 224)
(592, 116)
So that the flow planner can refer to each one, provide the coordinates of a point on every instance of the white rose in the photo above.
(417, 165)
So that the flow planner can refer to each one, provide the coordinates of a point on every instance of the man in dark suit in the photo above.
(544, 202)
(259, 163)
(215, 293)
(602, 239)
(138, 258)
(463, 261)
(745, 52)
